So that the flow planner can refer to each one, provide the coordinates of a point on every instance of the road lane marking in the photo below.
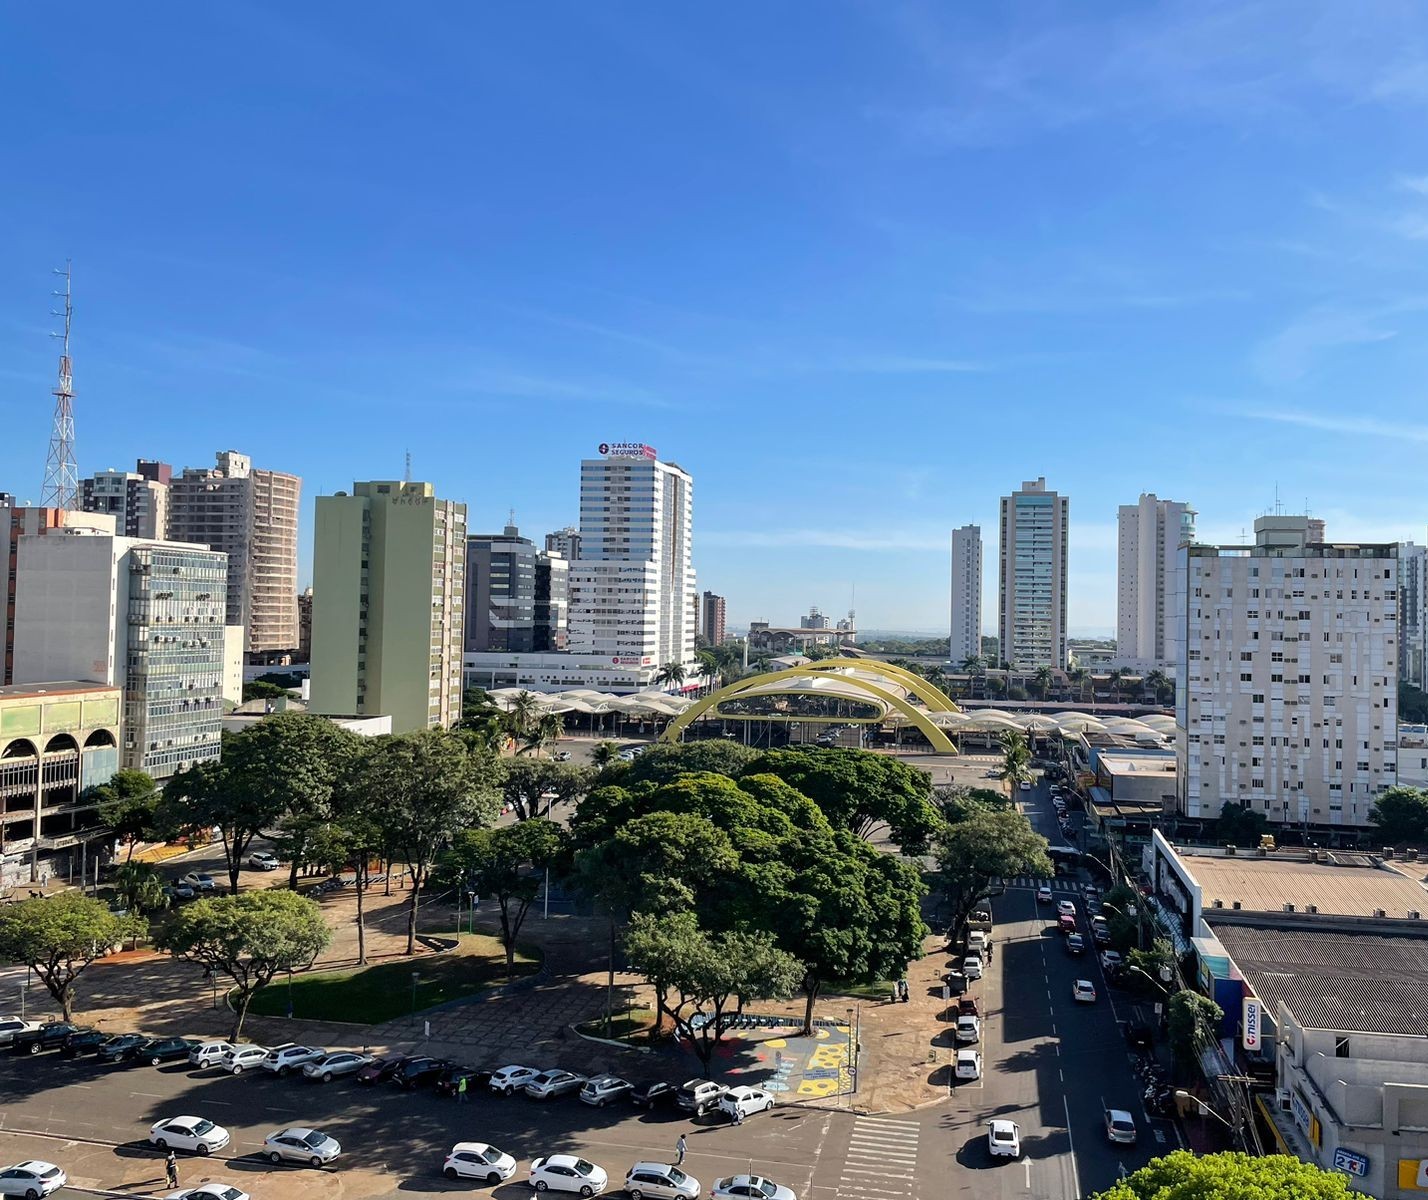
(1071, 1141)
(1027, 1164)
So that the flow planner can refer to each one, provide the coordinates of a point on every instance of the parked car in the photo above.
(550, 1084)
(1111, 960)
(477, 1160)
(209, 1054)
(749, 1187)
(561, 756)
(743, 1101)
(188, 1133)
(262, 860)
(699, 1095)
(161, 1050)
(972, 966)
(85, 1041)
(660, 1180)
(283, 1060)
(568, 1173)
(418, 1071)
(968, 1064)
(210, 1191)
(1120, 1127)
(446, 1082)
(1004, 1139)
(301, 1145)
(1083, 991)
(969, 1029)
(967, 1006)
(331, 1066)
(379, 1070)
(1101, 934)
(31, 1179)
(1043, 893)
(179, 890)
(10, 1026)
(604, 1088)
(977, 941)
(509, 1080)
(956, 982)
(120, 1048)
(49, 1036)
(243, 1058)
(654, 1094)
(1075, 944)
(1026, 785)
(200, 881)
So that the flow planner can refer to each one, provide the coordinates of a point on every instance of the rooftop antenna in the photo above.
(61, 486)
(407, 478)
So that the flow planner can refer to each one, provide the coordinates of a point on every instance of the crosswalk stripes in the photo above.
(882, 1160)
(1069, 886)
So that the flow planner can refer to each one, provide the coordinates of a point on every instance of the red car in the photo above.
(1067, 923)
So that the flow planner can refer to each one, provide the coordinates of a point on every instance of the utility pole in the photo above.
(61, 486)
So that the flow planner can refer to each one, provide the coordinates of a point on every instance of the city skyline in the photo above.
(950, 231)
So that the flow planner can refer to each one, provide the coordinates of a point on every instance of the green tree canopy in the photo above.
(524, 781)
(1183, 1175)
(249, 938)
(1016, 758)
(986, 844)
(1192, 1020)
(663, 762)
(141, 887)
(1401, 815)
(128, 803)
(1239, 825)
(59, 936)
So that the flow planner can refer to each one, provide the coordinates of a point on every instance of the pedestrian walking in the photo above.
(738, 1114)
(171, 1169)
(461, 1090)
(679, 1148)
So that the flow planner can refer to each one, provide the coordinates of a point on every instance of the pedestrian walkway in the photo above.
(1074, 887)
(882, 1160)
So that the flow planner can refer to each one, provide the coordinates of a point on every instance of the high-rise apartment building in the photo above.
(552, 603)
(250, 515)
(966, 594)
(632, 587)
(389, 584)
(712, 619)
(1412, 614)
(1286, 701)
(1031, 624)
(564, 542)
(143, 616)
(138, 500)
(16, 523)
(500, 591)
(1149, 534)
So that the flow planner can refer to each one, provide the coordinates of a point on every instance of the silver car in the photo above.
(340, 1062)
(10, 1026)
(301, 1145)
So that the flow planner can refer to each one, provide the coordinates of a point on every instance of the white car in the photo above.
(1083, 991)
(1110, 959)
(1043, 893)
(243, 1058)
(604, 1088)
(550, 1084)
(10, 1026)
(301, 1145)
(1066, 908)
(977, 941)
(477, 1160)
(31, 1179)
(749, 1187)
(200, 881)
(969, 1028)
(972, 966)
(745, 1101)
(1004, 1139)
(261, 860)
(1026, 785)
(188, 1133)
(509, 1080)
(660, 1180)
(969, 1064)
(568, 1173)
(283, 1059)
(210, 1191)
(1120, 1126)
(209, 1054)
(340, 1062)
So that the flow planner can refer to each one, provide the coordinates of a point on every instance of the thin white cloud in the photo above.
(1295, 350)
(1398, 431)
(911, 365)
(896, 541)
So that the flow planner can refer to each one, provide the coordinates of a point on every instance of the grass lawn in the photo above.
(879, 990)
(624, 1023)
(370, 995)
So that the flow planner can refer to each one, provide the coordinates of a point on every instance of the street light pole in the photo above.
(415, 976)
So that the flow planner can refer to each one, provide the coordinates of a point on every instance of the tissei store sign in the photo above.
(626, 450)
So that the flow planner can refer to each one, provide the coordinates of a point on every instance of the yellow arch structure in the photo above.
(915, 683)
(918, 717)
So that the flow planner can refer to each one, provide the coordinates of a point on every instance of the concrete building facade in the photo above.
(1149, 533)
(713, 619)
(1287, 702)
(966, 594)
(250, 515)
(500, 591)
(146, 617)
(1413, 614)
(304, 608)
(138, 500)
(552, 603)
(564, 542)
(389, 582)
(1035, 527)
(632, 587)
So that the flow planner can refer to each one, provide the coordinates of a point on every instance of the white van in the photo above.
(972, 966)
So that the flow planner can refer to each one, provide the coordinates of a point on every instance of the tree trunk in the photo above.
(245, 999)
(387, 874)
(412, 911)
(66, 999)
(610, 981)
(361, 882)
(293, 874)
(811, 987)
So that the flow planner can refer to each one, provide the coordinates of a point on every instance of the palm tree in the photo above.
(1117, 677)
(1157, 682)
(670, 673)
(973, 664)
(1016, 758)
(936, 676)
(522, 713)
(140, 886)
(1079, 676)
(604, 753)
(545, 731)
(1042, 681)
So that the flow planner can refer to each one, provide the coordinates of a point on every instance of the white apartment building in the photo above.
(1148, 534)
(632, 590)
(1413, 613)
(1287, 700)
(144, 616)
(250, 515)
(966, 594)
(138, 500)
(1035, 525)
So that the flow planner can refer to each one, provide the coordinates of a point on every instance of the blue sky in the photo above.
(860, 267)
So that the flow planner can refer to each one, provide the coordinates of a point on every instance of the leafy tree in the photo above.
(860, 792)
(664, 762)
(696, 972)
(141, 887)
(476, 700)
(1153, 963)
(1412, 704)
(524, 781)
(261, 689)
(1192, 1019)
(507, 863)
(959, 802)
(357, 833)
(1239, 825)
(1183, 1175)
(249, 938)
(670, 673)
(432, 785)
(59, 936)
(1016, 758)
(1401, 815)
(985, 845)
(522, 712)
(546, 730)
(602, 754)
(128, 803)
